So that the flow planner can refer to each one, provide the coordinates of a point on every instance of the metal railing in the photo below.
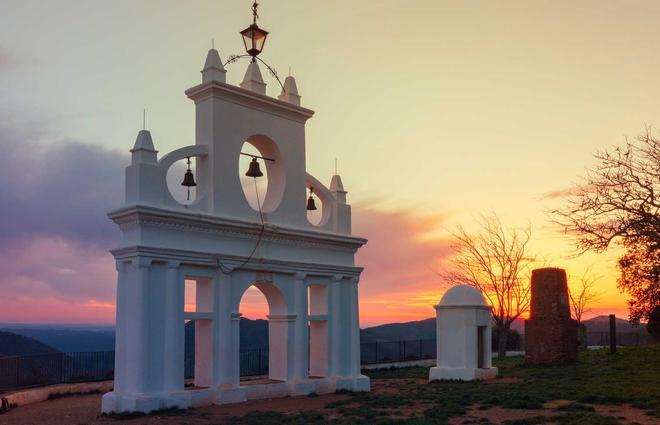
(397, 351)
(55, 368)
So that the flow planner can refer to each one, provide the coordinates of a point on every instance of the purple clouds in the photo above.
(54, 233)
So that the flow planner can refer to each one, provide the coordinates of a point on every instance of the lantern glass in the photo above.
(254, 39)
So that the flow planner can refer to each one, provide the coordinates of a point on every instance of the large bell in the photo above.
(188, 179)
(311, 206)
(254, 170)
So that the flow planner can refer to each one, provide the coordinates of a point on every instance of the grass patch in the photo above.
(171, 411)
(567, 419)
(630, 376)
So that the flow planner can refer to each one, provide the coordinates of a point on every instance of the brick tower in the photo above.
(550, 333)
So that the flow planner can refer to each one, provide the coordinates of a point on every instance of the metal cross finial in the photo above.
(255, 15)
(144, 118)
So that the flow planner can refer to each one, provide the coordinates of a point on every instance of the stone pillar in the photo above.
(550, 333)
(301, 334)
(173, 367)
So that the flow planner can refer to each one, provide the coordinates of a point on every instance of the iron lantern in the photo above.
(254, 37)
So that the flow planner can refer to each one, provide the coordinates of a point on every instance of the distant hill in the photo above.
(254, 334)
(71, 340)
(421, 329)
(12, 344)
(602, 324)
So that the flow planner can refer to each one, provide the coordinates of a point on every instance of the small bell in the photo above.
(311, 206)
(188, 179)
(254, 170)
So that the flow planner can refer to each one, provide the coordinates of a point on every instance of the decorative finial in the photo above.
(144, 118)
(213, 43)
(255, 15)
(335, 166)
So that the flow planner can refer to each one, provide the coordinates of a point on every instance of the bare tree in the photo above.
(495, 261)
(584, 294)
(619, 201)
(618, 198)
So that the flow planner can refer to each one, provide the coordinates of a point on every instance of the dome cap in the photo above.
(463, 296)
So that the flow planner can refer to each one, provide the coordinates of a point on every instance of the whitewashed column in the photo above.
(354, 327)
(135, 336)
(235, 361)
(173, 367)
(334, 326)
(224, 358)
(120, 328)
(301, 332)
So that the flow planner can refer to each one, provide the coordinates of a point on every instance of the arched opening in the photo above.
(254, 189)
(175, 175)
(272, 358)
(270, 187)
(253, 333)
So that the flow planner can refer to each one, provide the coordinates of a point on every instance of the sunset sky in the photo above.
(437, 111)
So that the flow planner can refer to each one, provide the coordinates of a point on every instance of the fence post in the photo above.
(612, 334)
(61, 368)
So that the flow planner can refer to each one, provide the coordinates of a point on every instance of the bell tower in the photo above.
(223, 246)
(228, 116)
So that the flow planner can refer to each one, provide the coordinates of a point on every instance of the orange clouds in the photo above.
(399, 282)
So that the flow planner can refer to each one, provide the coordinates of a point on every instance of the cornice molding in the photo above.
(137, 216)
(206, 259)
(248, 98)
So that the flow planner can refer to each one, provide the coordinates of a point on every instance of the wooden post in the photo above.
(612, 334)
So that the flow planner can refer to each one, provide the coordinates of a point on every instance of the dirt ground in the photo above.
(79, 410)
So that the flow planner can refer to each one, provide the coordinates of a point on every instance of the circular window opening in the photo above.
(267, 190)
(254, 189)
(175, 176)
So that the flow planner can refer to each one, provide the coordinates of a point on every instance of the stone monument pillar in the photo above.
(550, 333)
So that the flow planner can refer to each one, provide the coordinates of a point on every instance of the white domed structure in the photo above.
(463, 335)
(463, 295)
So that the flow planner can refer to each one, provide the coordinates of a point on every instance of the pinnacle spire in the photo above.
(253, 80)
(143, 149)
(337, 189)
(290, 91)
(213, 68)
